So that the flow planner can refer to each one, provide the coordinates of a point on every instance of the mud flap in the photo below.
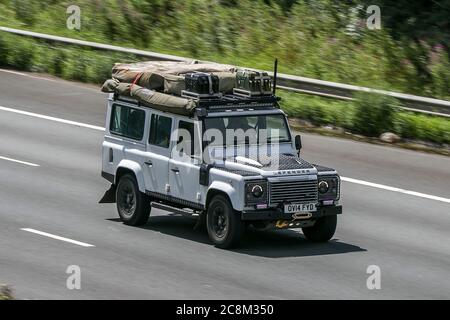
(109, 196)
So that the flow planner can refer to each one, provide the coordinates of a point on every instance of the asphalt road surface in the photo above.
(396, 216)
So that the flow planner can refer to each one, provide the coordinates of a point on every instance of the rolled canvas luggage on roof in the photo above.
(150, 80)
(160, 75)
(163, 102)
(160, 84)
(174, 84)
(114, 86)
(151, 98)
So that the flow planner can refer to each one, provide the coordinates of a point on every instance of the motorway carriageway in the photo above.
(396, 216)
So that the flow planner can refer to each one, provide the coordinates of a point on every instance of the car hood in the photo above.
(273, 165)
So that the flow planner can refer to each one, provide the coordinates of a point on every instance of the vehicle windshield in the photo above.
(237, 130)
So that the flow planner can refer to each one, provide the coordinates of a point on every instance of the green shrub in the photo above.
(47, 59)
(319, 111)
(100, 71)
(57, 62)
(374, 113)
(441, 77)
(20, 53)
(3, 52)
(26, 10)
(75, 66)
(100, 66)
(405, 125)
(422, 127)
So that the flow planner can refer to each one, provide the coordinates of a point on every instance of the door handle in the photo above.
(176, 170)
(149, 163)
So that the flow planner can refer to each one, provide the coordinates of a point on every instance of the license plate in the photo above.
(299, 207)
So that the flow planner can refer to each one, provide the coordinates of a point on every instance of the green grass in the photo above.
(348, 115)
(310, 39)
(369, 115)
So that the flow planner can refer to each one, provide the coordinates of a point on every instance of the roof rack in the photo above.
(226, 101)
(219, 104)
(230, 101)
(236, 102)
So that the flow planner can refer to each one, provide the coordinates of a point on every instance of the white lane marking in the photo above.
(394, 189)
(83, 244)
(48, 79)
(26, 75)
(41, 116)
(351, 180)
(21, 162)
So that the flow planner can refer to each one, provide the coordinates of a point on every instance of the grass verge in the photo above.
(369, 115)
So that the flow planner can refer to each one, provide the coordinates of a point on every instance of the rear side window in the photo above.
(127, 122)
(160, 130)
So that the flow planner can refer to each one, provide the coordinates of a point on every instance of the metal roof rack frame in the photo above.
(226, 102)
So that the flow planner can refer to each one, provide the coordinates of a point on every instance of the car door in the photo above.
(184, 164)
(156, 162)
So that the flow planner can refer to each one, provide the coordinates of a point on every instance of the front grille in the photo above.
(293, 191)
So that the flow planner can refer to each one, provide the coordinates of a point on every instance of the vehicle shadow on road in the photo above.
(269, 244)
(290, 243)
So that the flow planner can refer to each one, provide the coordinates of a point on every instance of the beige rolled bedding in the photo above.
(151, 98)
(168, 77)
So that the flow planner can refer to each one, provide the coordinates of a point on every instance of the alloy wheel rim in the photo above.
(219, 222)
(127, 200)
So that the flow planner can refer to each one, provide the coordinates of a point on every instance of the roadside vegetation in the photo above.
(319, 39)
(5, 293)
(322, 39)
(369, 115)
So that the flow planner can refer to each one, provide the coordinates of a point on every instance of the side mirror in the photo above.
(298, 142)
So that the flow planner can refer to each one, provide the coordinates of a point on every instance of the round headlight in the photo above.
(323, 187)
(257, 191)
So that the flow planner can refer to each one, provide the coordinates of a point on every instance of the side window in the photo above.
(127, 122)
(186, 138)
(160, 130)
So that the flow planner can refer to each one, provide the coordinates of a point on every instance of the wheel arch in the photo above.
(130, 167)
(223, 189)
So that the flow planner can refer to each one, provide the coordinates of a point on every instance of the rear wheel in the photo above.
(132, 205)
(225, 227)
(323, 230)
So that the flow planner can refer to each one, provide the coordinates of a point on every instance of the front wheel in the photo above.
(323, 230)
(132, 205)
(225, 227)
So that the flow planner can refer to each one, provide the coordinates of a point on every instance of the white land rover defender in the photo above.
(228, 159)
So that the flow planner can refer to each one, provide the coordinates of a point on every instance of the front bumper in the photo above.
(278, 214)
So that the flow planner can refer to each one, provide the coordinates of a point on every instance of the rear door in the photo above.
(156, 164)
(184, 165)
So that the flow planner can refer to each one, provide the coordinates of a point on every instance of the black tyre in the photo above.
(323, 230)
(224, 225)
(132, 205)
